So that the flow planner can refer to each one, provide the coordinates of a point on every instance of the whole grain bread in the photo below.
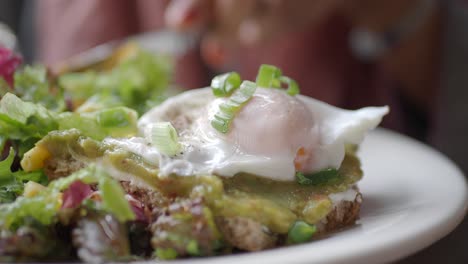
(58, 167)
(344, 214)
(247, 234)
(240, 232)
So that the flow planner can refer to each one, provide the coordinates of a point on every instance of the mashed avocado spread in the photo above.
(274, 204)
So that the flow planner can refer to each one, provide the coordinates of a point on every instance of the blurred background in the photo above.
(411, 55)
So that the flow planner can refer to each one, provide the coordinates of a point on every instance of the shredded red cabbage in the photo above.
(75, 194)
(9, 61)
(137, 208)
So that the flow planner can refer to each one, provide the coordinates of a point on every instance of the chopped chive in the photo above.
(292, 86)
(322, 177)
(166, 253)
(268, 76)
(164, 138)
(227, 110)
(271, 76)
(192, 248)
(301, 232)
(225, 84)
(220, 125)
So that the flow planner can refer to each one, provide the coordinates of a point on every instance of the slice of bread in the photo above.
(344, 214)
(247, 234)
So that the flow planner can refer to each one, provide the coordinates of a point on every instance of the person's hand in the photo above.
(226, 24)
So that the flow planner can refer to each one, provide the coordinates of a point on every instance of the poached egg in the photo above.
(272, 136)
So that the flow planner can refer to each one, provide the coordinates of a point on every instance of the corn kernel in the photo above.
(31, 189)
(34, 158)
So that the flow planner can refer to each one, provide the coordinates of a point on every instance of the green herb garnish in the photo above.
(322, 177)
(192, 248)
(12, 183)
(227, 110)
(164, 138)
(225, 84)
(166, 253)
(301, 232)
(270, 76)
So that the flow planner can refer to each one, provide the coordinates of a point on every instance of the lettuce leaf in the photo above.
(45, 205)
(9, 191)
(12, 183)
(3, 141)
(31, 84)
(27, 122)
(114, 201)
(9, 187)
(5, 166)
(113, 122)
(112, 194)
(20, 120)
(139, 82)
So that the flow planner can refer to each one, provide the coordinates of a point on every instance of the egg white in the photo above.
(207, 151)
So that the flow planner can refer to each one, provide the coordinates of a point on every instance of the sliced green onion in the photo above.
(111, 122)
(227, 110)
(225, 84)
(244, 94)
(164, 138)
(115, 117)
(268, 76)
(166, 253)
(220, 124)
(322, 177)
(271, 76)
(5, 166)
(192, 248)
(292, 86)
(301, 232)
(113, 199)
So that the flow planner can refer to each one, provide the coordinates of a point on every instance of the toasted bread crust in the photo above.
(240, 232)
(60, 167)
(247, 234)
(344, 214)
(151, 199)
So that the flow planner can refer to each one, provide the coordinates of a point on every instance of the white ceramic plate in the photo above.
(413, 196)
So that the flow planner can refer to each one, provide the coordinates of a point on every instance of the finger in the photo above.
(187, 14)
(213, 51)
(272, 18)
(264, 20)
(256, 30)
(220, 43)
(228, 14)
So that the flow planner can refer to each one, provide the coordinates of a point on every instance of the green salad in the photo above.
(70, 190)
